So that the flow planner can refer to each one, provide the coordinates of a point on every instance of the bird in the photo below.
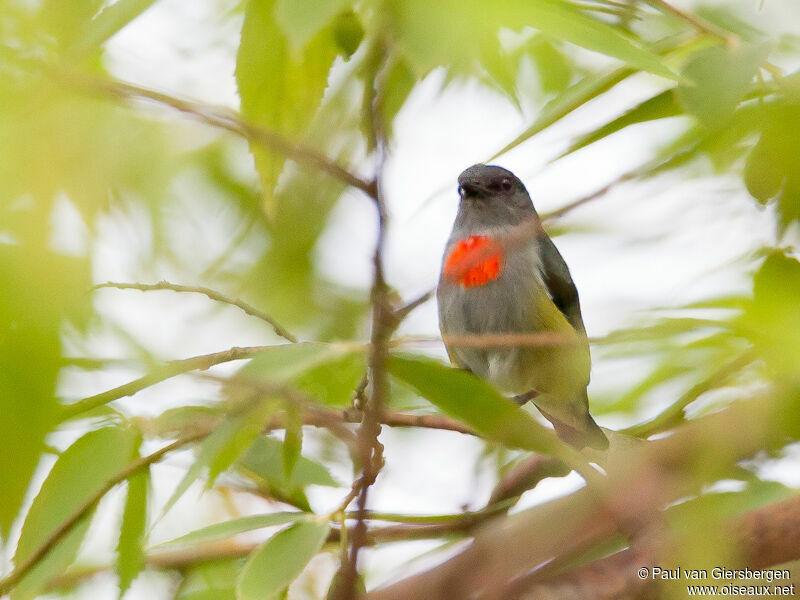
(502, 275)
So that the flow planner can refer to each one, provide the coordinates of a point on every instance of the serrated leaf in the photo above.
(474, 402)
(271, 568)
(302, 19)
(78, 474)
(130, 549)
(277, 88)
(228, 529)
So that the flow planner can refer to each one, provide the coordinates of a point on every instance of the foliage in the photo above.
(321, 85)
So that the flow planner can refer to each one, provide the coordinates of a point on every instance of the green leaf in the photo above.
(562, 21)
(473, 401)
(105, 25)
(772, 321)
(130, 549)
(454, 33)
(292, 440)
(348, 33)
(570, 99)
(228, 529)
(217, 452)
(277, 88)
(263, 462)
(660, 106)
(713, 98)
(46, 289)
(211, 581)
(333, 382)
(329, 372)
(301, 20)
(271, 568)
(78, 474)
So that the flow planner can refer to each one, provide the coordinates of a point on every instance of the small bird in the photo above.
(502, 276)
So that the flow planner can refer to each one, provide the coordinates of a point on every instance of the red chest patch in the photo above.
(474, 261)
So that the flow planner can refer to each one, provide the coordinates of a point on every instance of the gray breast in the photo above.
(504, 305)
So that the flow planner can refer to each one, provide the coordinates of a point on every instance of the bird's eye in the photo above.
(506, 185)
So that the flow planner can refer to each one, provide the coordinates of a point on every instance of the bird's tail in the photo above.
(579, 433)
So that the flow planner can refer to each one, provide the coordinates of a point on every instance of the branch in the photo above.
(170, 369)
(66, 526)
(700, 25)
(217, 117)
(764, 537)
(644, 479)
(674, 414)
(526, 475)
(384, 323)
(212, 294)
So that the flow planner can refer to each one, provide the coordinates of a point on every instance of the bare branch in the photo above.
(212, 294)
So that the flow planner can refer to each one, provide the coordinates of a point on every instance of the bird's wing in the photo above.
(559, 284)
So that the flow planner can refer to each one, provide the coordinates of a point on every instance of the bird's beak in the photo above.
(471, 188)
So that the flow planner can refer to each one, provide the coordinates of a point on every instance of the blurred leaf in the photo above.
(66, 19)
(772, 321)
(42, 290)
(264, 462)
(333, 382)
(279, 89)
(773, 166)
(348, 33)
(756, 494)
(218, 451)
(271, 568)
(214, 580)
(473, 401)
(301, 20)
(328, 372)
(660, 106)
(335, 589)
(105, 25)
(228, 529)
(569, 100)
(130, 549)
(292, 440)
(455, 33)
(78, 474)
(710, 97)
(553, 68)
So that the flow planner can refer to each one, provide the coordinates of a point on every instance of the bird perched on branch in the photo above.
(502, 277)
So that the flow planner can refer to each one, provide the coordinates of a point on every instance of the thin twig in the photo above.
(700, 25)
(209, 293)
(674, 414)
(218, 117)
(66, 526)
(170, 369)
(384, 323)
